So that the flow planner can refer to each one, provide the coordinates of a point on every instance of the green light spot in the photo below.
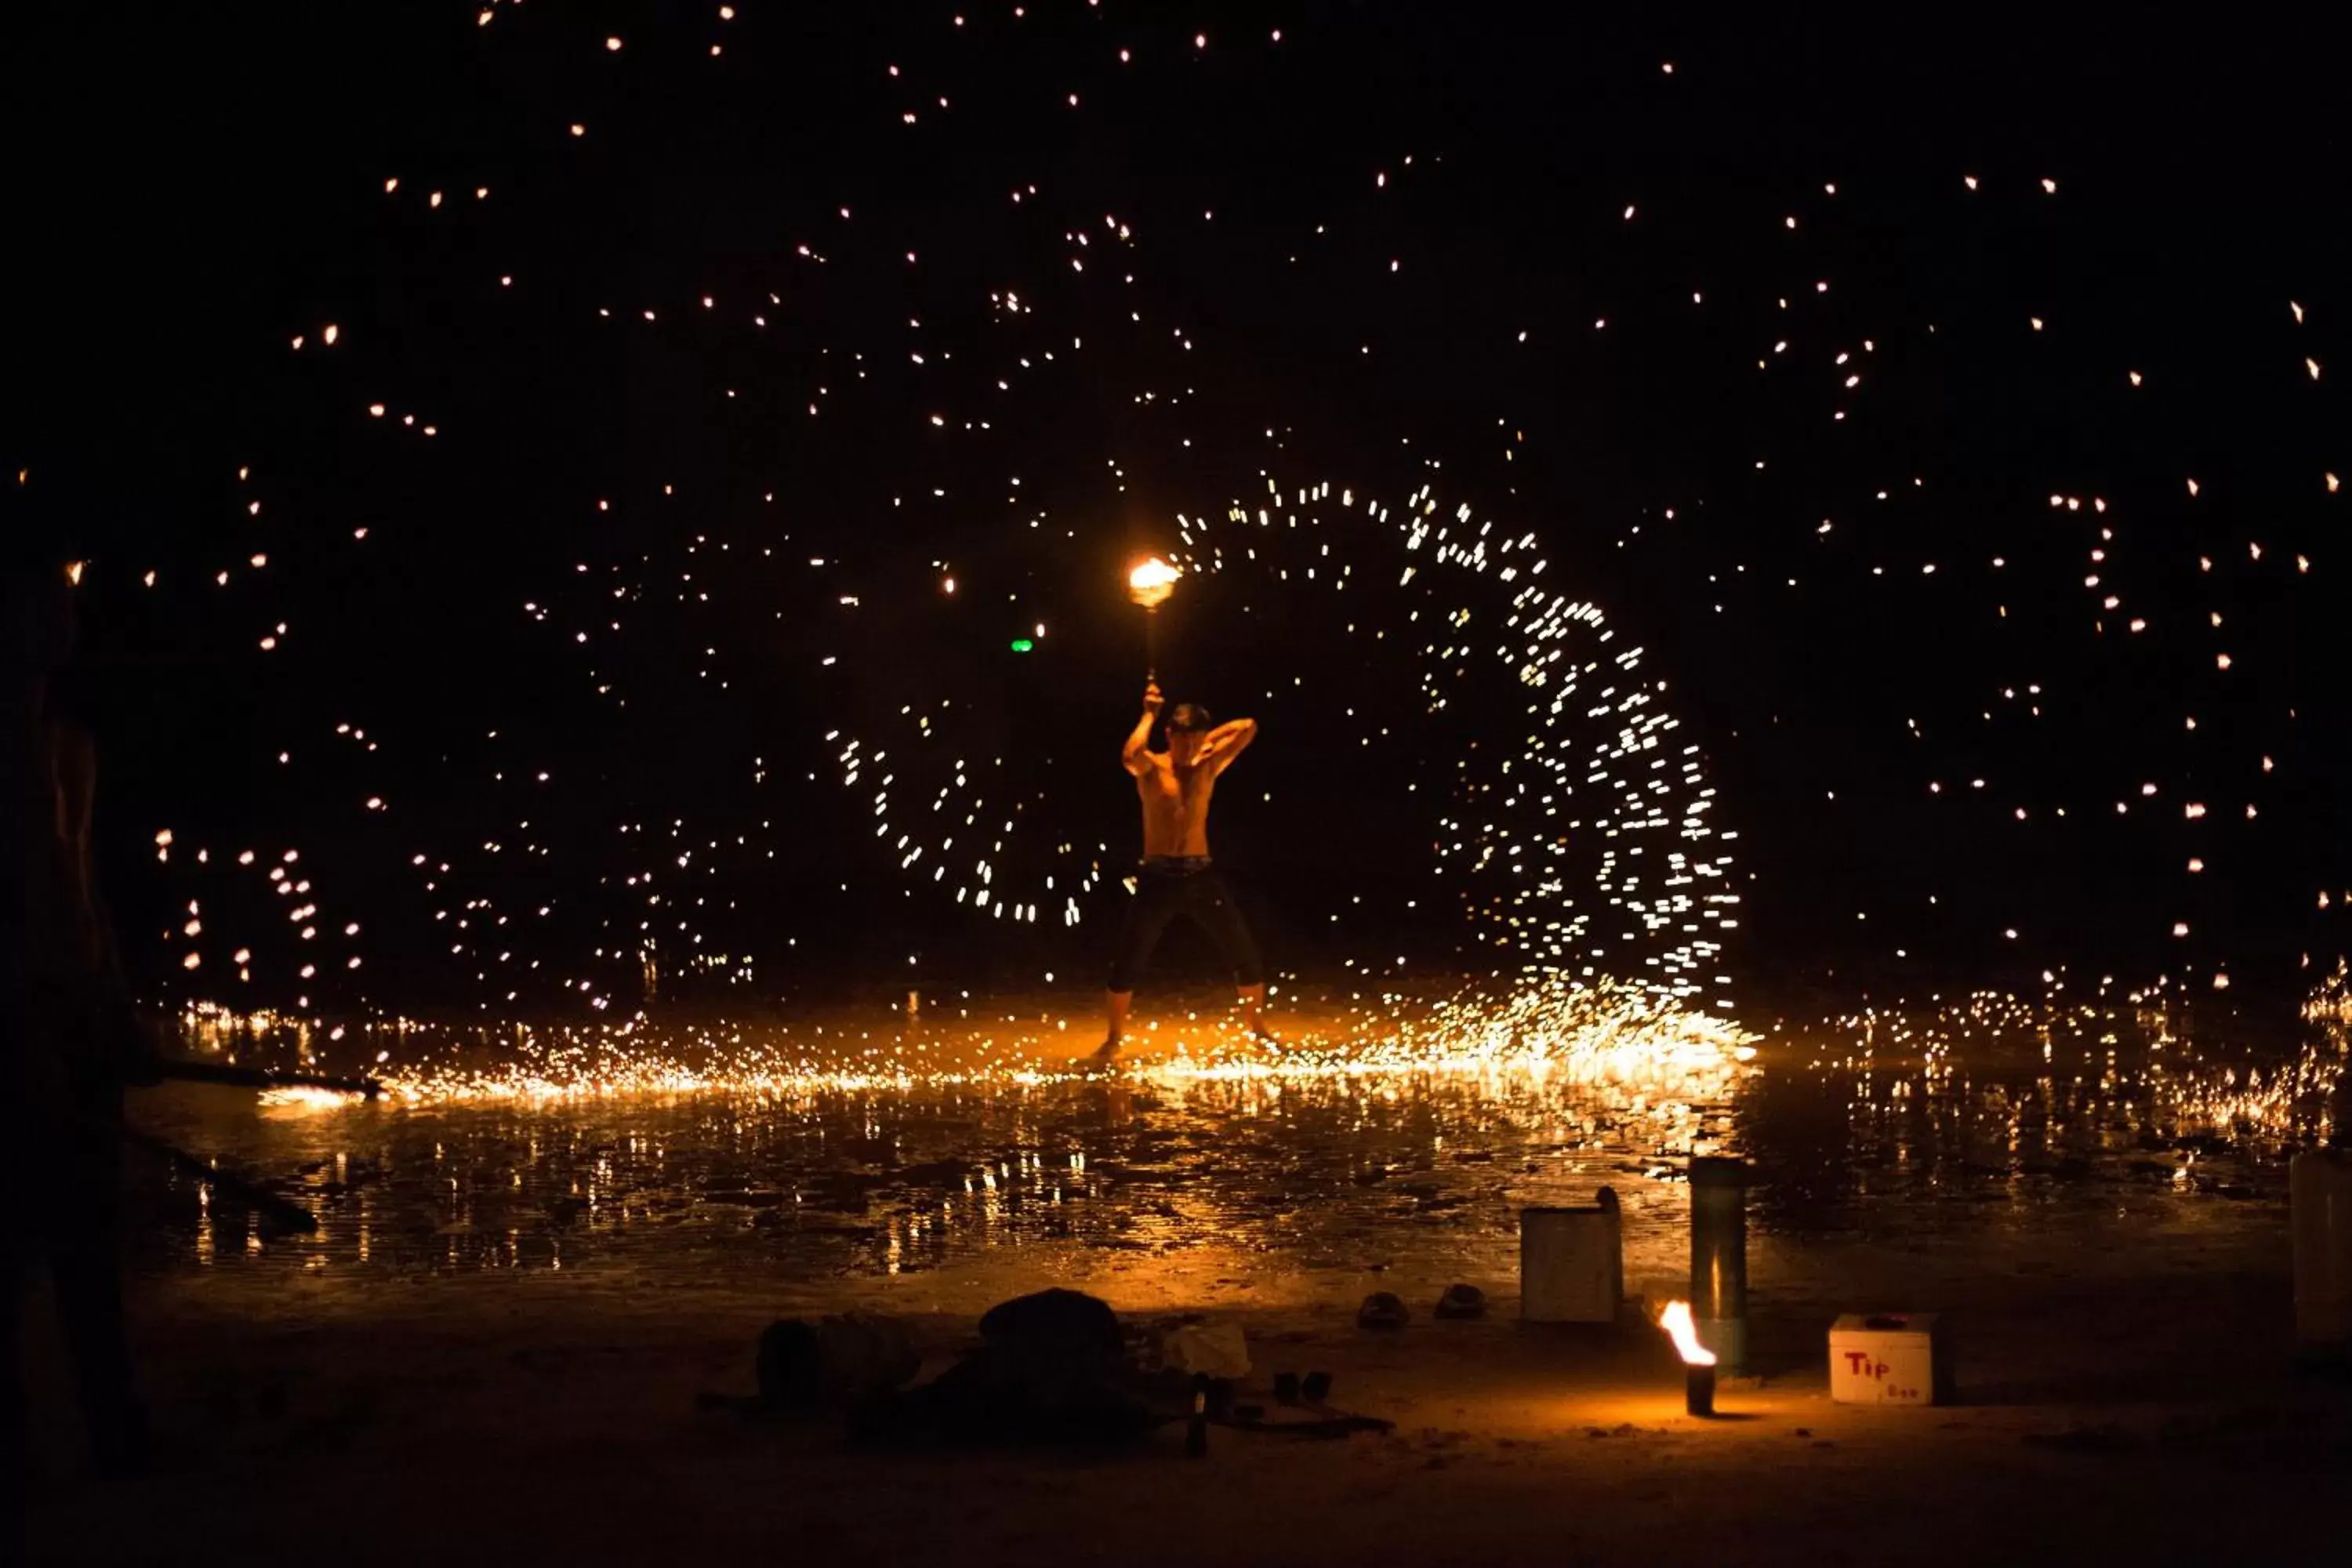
(1021, 645)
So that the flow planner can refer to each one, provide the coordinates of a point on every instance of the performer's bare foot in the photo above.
(1104, 1055)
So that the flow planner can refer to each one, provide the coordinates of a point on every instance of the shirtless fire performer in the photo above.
(1177, 877)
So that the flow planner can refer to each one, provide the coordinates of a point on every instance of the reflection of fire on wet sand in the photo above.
(851, 1142)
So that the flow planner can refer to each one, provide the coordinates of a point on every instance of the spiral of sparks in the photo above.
(1590, 841)
(1599, 763)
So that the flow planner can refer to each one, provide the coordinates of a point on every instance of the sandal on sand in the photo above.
(1462, 1301)
(1337, 1424)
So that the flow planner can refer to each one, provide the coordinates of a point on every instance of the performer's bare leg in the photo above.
(1117, 1002)
(1253, 1010)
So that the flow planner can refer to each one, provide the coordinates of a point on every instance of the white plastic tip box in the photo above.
(1889, 1358)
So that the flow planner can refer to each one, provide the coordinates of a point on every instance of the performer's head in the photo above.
(1188, 724)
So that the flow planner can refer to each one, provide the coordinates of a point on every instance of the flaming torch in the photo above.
(1150, 584)
(1698, 1361)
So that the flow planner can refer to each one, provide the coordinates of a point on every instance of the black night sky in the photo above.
(1389, 250)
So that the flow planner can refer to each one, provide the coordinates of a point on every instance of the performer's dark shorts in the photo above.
(1169, 886)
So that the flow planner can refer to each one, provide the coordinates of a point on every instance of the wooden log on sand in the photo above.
(280, 1211)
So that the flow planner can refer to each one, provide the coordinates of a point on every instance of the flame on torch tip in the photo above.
(1151, 581)
(1676, 1321)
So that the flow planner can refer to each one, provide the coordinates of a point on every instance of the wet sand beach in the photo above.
(491, 1349)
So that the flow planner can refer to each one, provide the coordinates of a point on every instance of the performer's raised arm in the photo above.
(1135, 756)
(1226, 741)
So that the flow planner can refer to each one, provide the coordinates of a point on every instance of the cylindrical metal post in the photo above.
(1719, 1276)
(2319, 1186)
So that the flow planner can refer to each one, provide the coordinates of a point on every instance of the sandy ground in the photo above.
(2128, 1398)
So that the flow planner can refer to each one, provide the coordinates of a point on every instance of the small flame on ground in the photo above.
(1676, 1321)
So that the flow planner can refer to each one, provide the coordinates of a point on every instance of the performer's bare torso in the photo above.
(1175, 807)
